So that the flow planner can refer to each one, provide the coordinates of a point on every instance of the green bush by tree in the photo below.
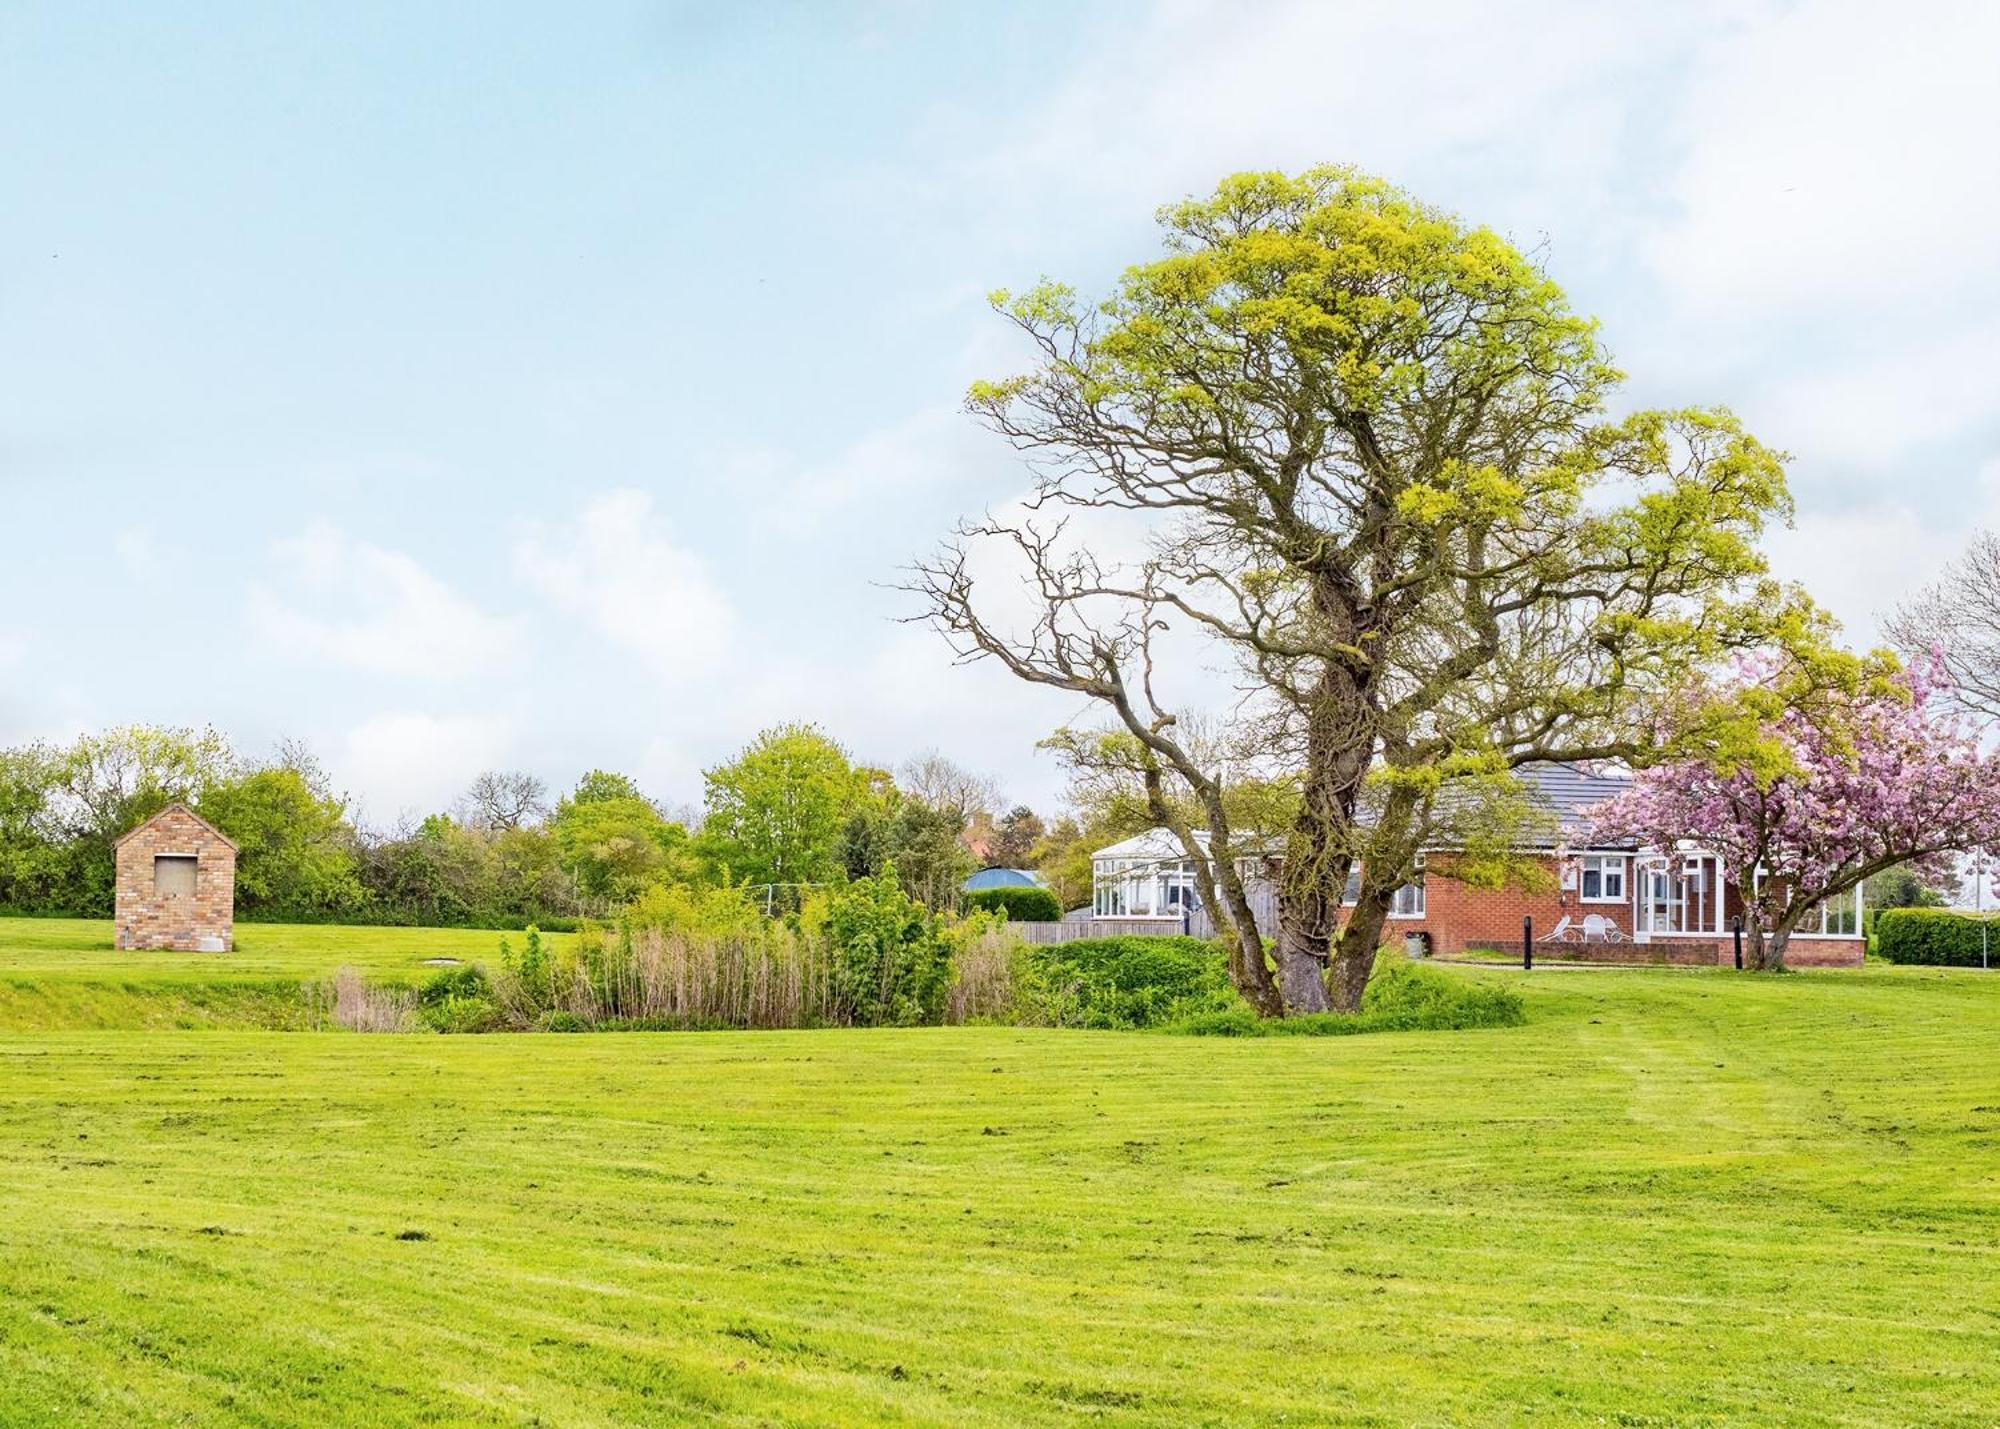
(1936, 937)
(1021, 905)
(1403, 996)
(459, 1000)
(1130, 982)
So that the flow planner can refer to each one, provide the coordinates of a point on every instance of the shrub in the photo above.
(1934, 937)
(1021, 905)
(1401, 997)
(1128, 982)
(468, 981)
(459, 1000)
(460, 1014)
(1238, 1021)
(892, 960)
(1407, 996)
(701, 912)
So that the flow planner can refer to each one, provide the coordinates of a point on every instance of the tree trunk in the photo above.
(1319, 852)
(1251, 974)
(1354, 956)
(1305, 933)
(1762, 952)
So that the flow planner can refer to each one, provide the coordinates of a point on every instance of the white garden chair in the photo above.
(1599, 929)
(1561, 933)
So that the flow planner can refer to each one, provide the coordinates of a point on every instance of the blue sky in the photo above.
(456, 386)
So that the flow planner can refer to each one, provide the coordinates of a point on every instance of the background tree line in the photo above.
(793, 811)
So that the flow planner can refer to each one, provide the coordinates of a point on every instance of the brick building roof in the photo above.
(178, 809)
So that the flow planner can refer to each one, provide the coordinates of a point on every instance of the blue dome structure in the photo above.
(1002, 878)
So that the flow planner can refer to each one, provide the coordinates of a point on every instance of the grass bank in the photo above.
(1670, 1198)
(63, 974)
(82, 947)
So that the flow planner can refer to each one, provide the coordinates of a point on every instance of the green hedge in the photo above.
(1934, 936)
(1021, 905)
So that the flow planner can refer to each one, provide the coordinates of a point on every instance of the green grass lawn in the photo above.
(1672, 1198)
(263, 951)
(63, 974)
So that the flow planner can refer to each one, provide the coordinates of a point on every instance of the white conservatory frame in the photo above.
(1684, 894)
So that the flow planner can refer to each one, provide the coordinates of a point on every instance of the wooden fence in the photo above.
(1196, 924)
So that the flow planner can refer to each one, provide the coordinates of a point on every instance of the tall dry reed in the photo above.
(984, 977)
(774, 977)
(348, 1002)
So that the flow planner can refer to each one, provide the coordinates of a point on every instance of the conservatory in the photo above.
(1680, 895)
(1147, 876)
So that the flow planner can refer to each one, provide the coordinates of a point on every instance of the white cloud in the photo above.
(617, 567)
(927, 450)
(1857, 562)
(413, 763)
(1861, 561)
(368, 608)
(1826, 254)
(1869, 408)
(1166, 105)
(1835, 158)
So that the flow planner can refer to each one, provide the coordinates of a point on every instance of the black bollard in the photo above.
(1736, 929)
(1528, 943)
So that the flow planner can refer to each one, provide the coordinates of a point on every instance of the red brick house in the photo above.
(1601, 902)
(176, 884)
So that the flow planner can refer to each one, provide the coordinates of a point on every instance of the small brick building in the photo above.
(176, 885)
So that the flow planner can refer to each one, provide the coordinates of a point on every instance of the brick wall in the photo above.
(1458, 918)
(203, 921)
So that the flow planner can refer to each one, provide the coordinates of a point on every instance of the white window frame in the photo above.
(1409, 901)
(1679, 865)
(1107, 895)
(1166, 887)
(1824, 907)
(1604, 865)
(1852, 897)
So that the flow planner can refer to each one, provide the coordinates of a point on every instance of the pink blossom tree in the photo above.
(1839, 787)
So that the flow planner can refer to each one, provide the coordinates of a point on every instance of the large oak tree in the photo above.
(1373, 452)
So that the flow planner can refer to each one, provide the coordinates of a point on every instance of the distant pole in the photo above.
(1979, 897)
(1736, 930)
(1528, 943)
